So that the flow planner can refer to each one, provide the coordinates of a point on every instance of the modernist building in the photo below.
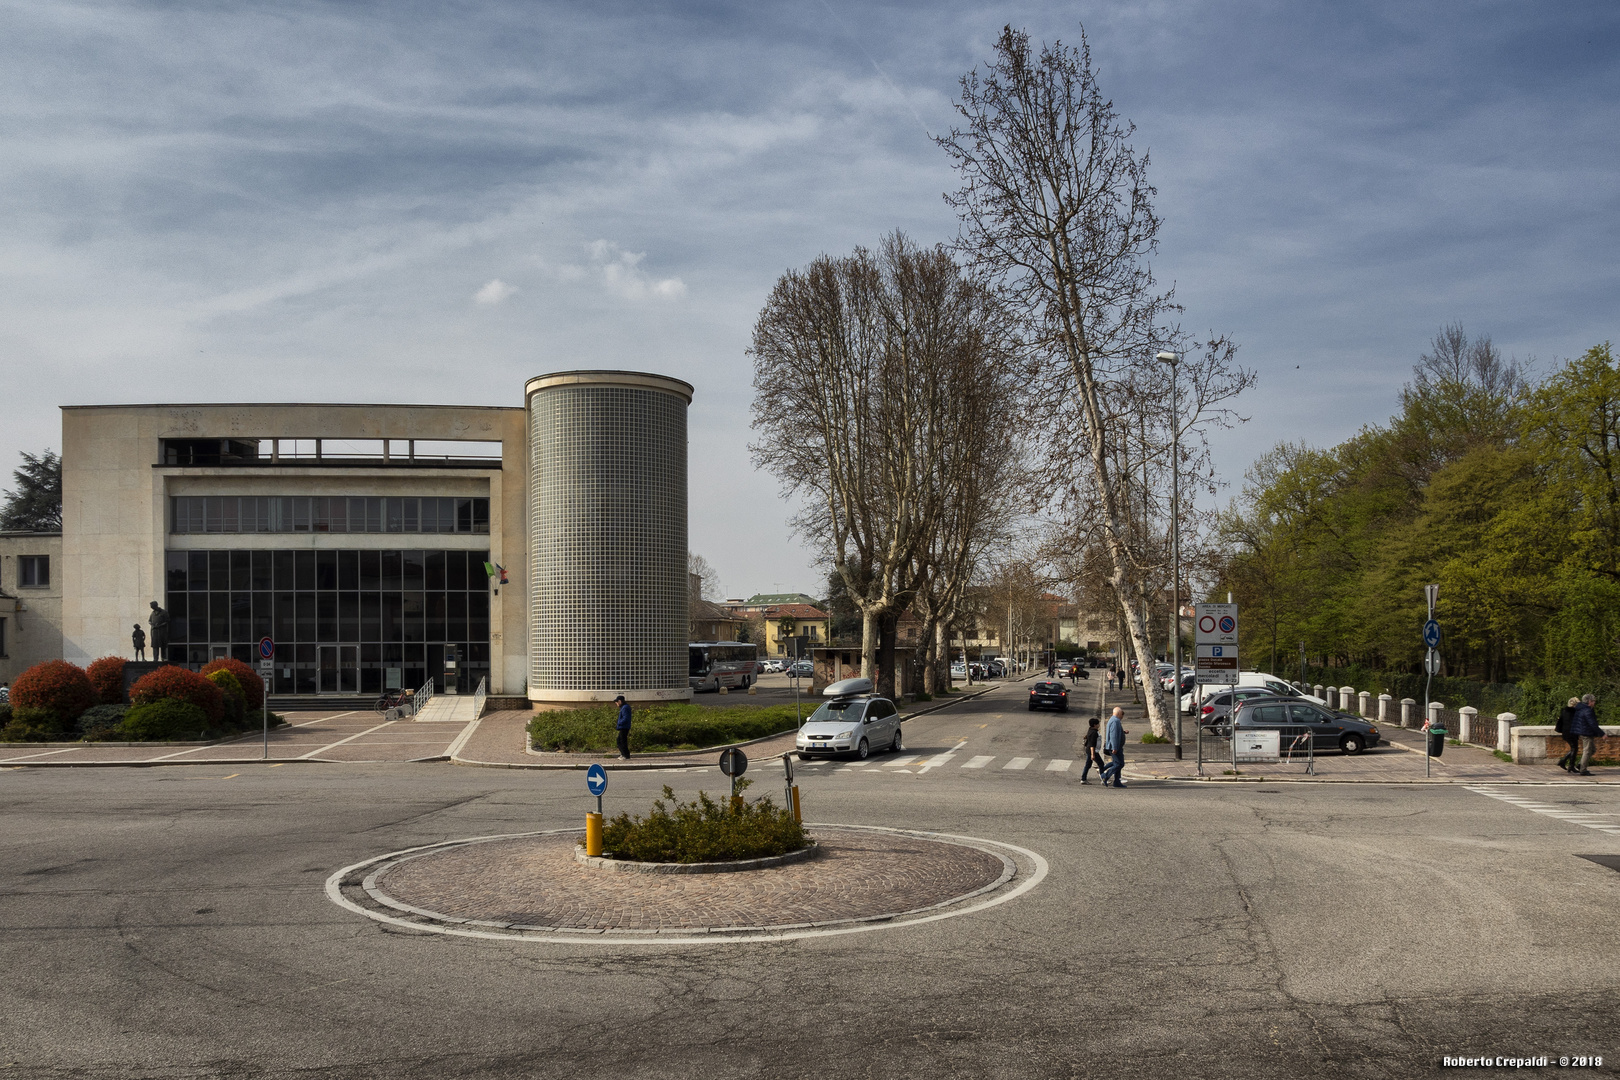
(542, 548)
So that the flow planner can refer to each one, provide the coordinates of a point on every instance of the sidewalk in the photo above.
(1398, 759)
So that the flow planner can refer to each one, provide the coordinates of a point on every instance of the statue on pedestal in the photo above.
(138, 639)
(159, 621)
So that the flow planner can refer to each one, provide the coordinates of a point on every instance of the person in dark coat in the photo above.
(1584, 724)
(622, 724)
(1566, 716)
(1093, 754)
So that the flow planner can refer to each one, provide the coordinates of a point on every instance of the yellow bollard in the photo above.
(798, 815)
(593, 835)
(736, 804)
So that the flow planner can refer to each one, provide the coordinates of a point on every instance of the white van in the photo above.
(1280, 687)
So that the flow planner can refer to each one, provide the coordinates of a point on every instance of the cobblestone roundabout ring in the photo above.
(528, 886)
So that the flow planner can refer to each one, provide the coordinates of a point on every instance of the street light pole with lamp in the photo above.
(1174, 359)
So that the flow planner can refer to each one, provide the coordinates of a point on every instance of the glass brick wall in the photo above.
(607, 535)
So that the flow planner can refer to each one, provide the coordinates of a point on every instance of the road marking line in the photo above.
(1058, 765)
(233, 776)
(979, 762)
(1557, 813)
(46, 753)
(351, 738)
(901, 761)
(936, 762)
(1018, 763)
(324, 719)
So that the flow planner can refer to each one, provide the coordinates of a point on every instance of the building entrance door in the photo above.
(338, 669)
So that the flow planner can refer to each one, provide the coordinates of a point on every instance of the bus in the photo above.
(723, 663)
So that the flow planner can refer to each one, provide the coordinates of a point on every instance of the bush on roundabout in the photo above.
(704, 831)
(102, 722)
(235, 702)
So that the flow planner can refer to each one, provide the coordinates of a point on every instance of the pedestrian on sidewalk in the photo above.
(1114, 747)
(1584, 724)
(1093, 757)
(623, 726)
(1566, 717)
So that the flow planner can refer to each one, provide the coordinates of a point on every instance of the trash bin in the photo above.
(1437, 741)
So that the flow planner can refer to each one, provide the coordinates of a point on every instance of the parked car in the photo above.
(959, 670)
(771, 667)
(1270, 683)
(1216, 710)
(852, 722)
(995, 669)
(1294, 718)
(802, 668)
(1053, 694)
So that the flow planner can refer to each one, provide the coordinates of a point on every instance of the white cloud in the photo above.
(494, 292)
(620, 271)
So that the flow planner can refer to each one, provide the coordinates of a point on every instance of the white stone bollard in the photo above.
(1408, 706)
(1504, 730)
(1465, 723)
(1347, 699)
(1383, 708)
(1316, 691)
(1364, 705)
(1434, 713)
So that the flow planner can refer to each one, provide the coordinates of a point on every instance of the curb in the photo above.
(738, 866)
(154, 764)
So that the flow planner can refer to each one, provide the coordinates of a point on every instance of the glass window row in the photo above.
(326, 514)
(317, 617)
(337, 570)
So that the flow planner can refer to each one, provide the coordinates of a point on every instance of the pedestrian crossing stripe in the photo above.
(923, 764)
(1560, 813)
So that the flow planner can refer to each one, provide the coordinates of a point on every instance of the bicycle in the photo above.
(390, 701)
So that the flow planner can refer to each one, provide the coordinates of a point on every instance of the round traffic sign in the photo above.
(267, 649)
(596, 779)
(1431, 634)
(1431, 663)
(1206, 625)
(1228, 624)
(733, 762)
(787, 766)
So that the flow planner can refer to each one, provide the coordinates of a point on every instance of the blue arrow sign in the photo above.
(596, 779)
(1431, 634)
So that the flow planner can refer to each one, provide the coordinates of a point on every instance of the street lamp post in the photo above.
(1173, 359)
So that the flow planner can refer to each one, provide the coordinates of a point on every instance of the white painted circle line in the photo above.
(334, 893)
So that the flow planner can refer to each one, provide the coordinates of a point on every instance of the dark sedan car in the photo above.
(1293, 719)
(1053, 694)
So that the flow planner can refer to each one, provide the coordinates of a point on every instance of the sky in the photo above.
(432, 202)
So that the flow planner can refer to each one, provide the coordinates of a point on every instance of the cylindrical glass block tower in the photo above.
(608, 588)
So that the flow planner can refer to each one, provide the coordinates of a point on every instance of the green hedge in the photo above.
(659, 727)
(704, 831)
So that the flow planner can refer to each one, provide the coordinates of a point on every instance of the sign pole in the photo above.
(267, 671)
(1431, 638)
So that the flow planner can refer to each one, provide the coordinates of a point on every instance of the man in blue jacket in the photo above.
(1114, 747)
(623, 726)
(1585, 725)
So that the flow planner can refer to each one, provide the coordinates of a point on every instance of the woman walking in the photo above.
(1093, 756)
(1566, 716)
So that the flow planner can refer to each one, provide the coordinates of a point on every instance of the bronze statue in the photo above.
(138, 638)
(159, 621)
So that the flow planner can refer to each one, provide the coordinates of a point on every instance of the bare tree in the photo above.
(709, 587)
(1056, 208)
(861, 365)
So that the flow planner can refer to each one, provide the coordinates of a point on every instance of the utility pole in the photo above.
(1173, 359)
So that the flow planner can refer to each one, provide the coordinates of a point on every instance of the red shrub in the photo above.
(252, 685)
(180, 685)
(107, 676)
(57, 686)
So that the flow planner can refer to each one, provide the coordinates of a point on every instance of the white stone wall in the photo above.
(33, 617)
(115, 503)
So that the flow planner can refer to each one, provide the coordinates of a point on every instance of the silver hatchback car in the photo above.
(853, 724)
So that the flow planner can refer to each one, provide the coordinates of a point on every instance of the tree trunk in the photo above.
(869, 641)
(930, 646)
(887, 630)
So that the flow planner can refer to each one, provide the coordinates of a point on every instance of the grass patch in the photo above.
(1152, 739)
(704, 831)
(656, 728)
(1501, 756)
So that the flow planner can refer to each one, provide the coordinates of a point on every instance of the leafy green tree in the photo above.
(35, 504)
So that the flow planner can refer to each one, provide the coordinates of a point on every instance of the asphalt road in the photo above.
(172, 923)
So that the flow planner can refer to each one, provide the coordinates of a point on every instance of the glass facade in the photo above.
(326, 514)
(340, 619)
